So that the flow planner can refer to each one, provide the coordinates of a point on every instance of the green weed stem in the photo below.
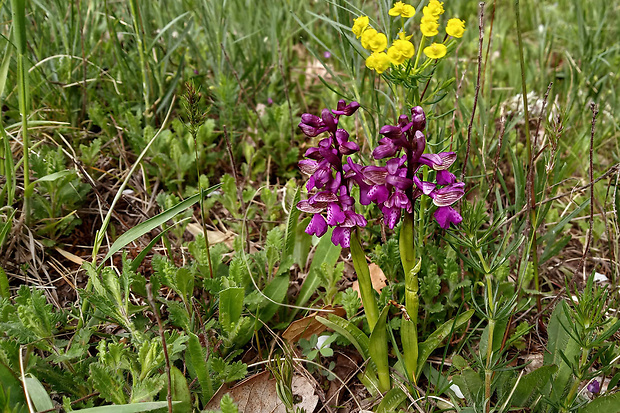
(18, 8)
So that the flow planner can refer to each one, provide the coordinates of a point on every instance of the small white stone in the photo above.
(128, 192)
(600, 278)
(457, 390)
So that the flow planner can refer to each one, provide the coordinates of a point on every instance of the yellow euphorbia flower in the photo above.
(359, 25)
(435, 51)
(455, 28)
(402, 9)
(434, 8)
(402, 36)
(378, 61)
(373, 40)
(400, 51)
(429, 26)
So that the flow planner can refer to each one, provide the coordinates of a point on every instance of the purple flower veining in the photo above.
(330, 202)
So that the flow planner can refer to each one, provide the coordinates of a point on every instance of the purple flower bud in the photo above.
(344, 109)
(419, 142)
(195, 71)
(348, 148)
(398, 200)
(418, 118)
(327, 54)
(308, 130)
(391, 132)
(317, 226)
(330, 156)
(342, 136)
(386, 149)
(269, 101)
(594, 386)
(329, 120)
(446, 216)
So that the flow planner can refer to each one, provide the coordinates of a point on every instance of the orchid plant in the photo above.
(401, 173)
(393, 186)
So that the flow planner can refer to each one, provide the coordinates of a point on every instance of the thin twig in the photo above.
(237, 183)
(594, 109)
(473, 111)
(149, 294)
(607, 173)
(542, 116)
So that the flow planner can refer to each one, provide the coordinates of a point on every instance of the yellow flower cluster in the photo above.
(402, 9)
(455, 28)
(402, 48)
(430, 20)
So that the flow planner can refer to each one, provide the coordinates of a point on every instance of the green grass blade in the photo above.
(154, 222)
(127, 408)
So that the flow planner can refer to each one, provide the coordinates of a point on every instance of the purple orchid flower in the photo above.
(396, 185)
(330, 177)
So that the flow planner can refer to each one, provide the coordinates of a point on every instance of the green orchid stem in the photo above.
(407, 257)
(363, 276)
(409, 332)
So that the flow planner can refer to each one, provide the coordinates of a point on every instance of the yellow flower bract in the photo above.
(378, 61)
(400, 51)
(435, 51)
(434, 8)
(359, 25)
(402, 9)
(455, 28)
(373, 40)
